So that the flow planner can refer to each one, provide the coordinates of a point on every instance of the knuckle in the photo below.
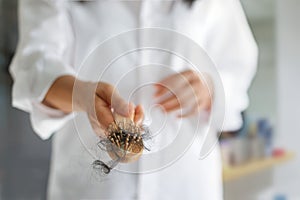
(108, 87)
(192, 73)
(198, 78)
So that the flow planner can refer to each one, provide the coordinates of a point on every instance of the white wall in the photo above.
(263, 92)
(275, 92)
(287, 177)
(263, 96)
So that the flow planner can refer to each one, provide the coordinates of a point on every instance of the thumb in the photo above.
(112, 97)
(121, 107)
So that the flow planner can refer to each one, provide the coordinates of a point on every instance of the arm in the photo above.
(45, 38)
(61, 96)
(43, 76)
(228, 40)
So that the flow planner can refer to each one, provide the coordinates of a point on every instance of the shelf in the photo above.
(232, 173)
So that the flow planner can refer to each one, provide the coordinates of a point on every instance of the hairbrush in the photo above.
(124, 142)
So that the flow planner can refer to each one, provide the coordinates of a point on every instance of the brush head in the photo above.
(125, 137)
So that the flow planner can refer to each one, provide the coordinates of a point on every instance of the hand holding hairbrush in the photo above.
(125, 135)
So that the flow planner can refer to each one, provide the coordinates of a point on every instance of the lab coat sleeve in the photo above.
(233, 49)
(45, 37)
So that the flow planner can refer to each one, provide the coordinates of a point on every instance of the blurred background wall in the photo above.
(262, 18)
(24, 158)
(275, 91)
(274, 95)
(287, 177)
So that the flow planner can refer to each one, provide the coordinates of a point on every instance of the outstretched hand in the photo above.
(108, 102)
(186, 90)
(99, 100)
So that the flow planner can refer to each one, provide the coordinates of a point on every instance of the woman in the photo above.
(57, 36)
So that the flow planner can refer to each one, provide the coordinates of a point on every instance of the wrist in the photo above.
(83, 95)
(59, 95)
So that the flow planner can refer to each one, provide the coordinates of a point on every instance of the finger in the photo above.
(204, 97)
(197, 108)
(207, 104)
(103, 113)
(185, 96)
(131, 110)
(160, 90)
(167, 90)
(172, 83)
(171, 105)
(182, 99)
(188, 114)
(121, 107)
(190, 74)
(202, 104)
(185, 76)
(112, 97)
(139, 115)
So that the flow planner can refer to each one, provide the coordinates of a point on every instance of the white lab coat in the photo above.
(55, 38)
